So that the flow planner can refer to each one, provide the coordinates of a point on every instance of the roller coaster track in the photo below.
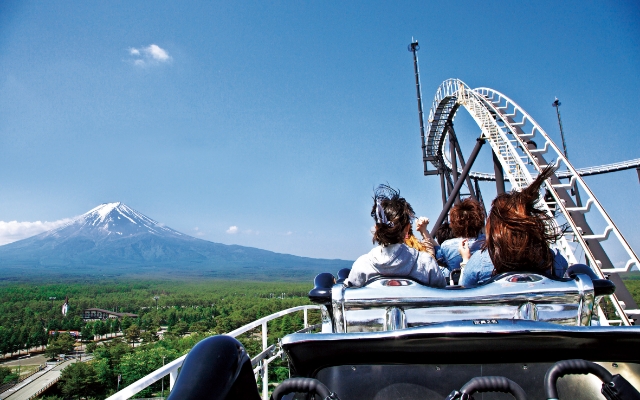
(510, 131)
(600, 169)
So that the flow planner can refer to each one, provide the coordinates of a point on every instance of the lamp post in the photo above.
(163, 378)
(156, 299)
(52, 299)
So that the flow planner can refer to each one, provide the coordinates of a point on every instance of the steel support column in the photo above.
(444, 188)
(452, 156)
(497, 168)
(462, 162)
(456, 188)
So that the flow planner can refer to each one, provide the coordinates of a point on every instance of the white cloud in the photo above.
(157, 52)
(13, 230)
(150, 55)
(289, 233)
(232, 230)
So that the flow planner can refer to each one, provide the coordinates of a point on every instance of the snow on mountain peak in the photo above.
(118, 219)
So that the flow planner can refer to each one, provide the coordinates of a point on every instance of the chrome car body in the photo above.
(389, 303)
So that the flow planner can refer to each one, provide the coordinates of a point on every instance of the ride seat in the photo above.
(389, 303)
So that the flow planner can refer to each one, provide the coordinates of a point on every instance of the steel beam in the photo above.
(462, 164)
(452, 156)
(458, 185)
(443, 188)
(499, 173)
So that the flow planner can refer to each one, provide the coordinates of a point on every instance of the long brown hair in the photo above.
(467, 218)
(397, 213)
(518, 233)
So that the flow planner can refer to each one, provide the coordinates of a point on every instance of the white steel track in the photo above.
(508, 129)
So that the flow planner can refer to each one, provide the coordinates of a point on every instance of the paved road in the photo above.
(33, 384)
(33, 360)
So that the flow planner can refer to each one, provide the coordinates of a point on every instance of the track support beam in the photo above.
(458, 185)
(497, 168)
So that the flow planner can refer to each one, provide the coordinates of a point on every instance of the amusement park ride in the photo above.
(520, 335)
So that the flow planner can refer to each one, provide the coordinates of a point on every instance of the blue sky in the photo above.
(279, 118)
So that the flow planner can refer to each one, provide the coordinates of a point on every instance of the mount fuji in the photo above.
(115, 240)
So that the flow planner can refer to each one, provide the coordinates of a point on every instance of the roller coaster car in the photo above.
(392, 303)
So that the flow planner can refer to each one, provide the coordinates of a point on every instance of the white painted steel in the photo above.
(171, 369)
(265, 366)
(502, 122)
(575, 178)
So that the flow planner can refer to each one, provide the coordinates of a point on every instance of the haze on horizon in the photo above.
(268, 125)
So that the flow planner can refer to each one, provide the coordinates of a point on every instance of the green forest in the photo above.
(190, 311)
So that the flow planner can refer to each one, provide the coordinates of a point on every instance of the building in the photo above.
(91, 314)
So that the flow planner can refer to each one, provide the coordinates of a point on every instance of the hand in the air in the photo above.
(464, 250)
(421, 225)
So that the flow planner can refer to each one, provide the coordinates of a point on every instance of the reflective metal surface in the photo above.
(381, 306)
(394, 319)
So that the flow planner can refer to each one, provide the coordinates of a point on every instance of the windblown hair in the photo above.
(412, 241)
(518, 233)
(397, 212)
(467, 218)
(444, 232)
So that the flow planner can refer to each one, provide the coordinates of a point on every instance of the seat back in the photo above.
(388, 303)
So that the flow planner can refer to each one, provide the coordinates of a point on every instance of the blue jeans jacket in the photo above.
(448, 252)
(479, 268)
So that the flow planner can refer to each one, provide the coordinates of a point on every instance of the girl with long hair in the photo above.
(518, 238)
(391, 257)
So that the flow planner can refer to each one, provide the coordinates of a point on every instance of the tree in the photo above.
(142, 362)
(180, 328)
(6, 375)
(91, 347)
(63, 344)
(79, 380)
(98, 329)
(132, 334)
(199, 327)
(87, 333)
(148, 337)
(125, 323)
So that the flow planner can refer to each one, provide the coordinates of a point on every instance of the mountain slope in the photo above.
(114, 239)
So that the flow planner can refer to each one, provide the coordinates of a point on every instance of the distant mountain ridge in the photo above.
(115, 240)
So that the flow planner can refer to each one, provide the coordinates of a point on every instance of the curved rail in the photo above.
(263, 358)
(510, 130)
(588, 171)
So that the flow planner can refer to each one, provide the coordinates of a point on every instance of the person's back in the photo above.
(393, 215)
(467, 221)
(518, 238)
(396, 260)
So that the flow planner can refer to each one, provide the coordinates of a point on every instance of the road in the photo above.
(36, 382)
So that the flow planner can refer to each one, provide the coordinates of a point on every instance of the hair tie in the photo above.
(381, 217)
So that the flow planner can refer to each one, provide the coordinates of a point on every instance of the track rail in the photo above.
(510, 131)
(588, 171)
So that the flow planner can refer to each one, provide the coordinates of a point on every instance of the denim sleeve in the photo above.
(439, 255)
(560, 264)
(479, 269)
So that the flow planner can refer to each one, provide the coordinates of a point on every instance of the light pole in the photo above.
(52, 299)
(156, 299)
(556, 104)
(163, 378)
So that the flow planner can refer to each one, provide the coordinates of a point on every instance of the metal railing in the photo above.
(260, 362)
